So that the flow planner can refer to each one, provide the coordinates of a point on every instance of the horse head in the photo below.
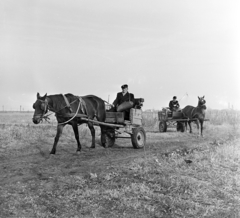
(201, 102)
(40, 108)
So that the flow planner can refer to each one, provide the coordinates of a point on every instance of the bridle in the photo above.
(202, 103)
(46, 107)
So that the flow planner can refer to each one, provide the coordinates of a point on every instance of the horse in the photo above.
(198, 113)
(89, 106)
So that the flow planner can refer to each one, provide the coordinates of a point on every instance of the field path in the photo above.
(33, 161)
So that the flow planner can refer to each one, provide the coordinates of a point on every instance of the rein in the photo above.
(74, 114)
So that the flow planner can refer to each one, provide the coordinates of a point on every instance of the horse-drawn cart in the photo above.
(90, 109)
(120, 128)
(170, 119)
(173, 119)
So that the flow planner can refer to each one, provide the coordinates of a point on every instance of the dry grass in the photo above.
(157, 182)
(219, 117)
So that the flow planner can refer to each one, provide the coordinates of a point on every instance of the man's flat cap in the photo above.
(124, 86)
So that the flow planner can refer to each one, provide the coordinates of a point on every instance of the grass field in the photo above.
(175, 175)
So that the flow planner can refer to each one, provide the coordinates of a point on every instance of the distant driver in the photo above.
(173, 104)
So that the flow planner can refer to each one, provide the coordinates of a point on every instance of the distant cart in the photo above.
(172, 119)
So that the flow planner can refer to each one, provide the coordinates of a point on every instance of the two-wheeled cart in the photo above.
(118, 127)
(172, 119)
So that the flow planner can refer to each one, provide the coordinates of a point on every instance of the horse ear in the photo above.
(45, 96)
(203, 96)
(198, 98)
(38, 96)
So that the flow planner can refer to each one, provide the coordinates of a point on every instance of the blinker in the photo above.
(43, 106)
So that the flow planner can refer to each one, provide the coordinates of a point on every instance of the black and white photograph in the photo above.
(119, 109)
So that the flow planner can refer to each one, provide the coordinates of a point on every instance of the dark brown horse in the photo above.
(89, 106)
(198, 113)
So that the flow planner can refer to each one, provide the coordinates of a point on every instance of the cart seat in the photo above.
(138, 103)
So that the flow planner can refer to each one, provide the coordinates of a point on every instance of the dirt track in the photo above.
(103, 182)
(32, 161)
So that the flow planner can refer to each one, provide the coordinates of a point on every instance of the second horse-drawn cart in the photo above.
(174, 119)
(170, 119)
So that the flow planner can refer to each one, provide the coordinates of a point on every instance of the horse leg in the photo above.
(103, 138)
(59, 133)
(197, 123)
(76, 133)
(201, 125)
(190, 126)
(90, 126)
(185, 123)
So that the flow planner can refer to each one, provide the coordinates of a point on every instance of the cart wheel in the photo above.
(180, 127)
(163, 126)
(110, 138)
(138, 137)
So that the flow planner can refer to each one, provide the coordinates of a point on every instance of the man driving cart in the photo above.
(173, 104)
(124, 101)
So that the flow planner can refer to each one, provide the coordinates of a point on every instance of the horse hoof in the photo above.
(92, 146)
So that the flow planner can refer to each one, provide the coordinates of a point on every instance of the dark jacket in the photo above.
(173, 105)
(122, 98)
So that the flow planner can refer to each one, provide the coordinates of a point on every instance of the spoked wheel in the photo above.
(109, 137)
(138, 137)
(162, 126)
(180, 127)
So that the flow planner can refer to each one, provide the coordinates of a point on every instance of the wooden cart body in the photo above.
(118, 127)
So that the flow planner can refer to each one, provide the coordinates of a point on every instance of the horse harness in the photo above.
(82, 106)
(192, 116)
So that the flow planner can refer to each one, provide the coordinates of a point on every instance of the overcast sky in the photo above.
(159, 48)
